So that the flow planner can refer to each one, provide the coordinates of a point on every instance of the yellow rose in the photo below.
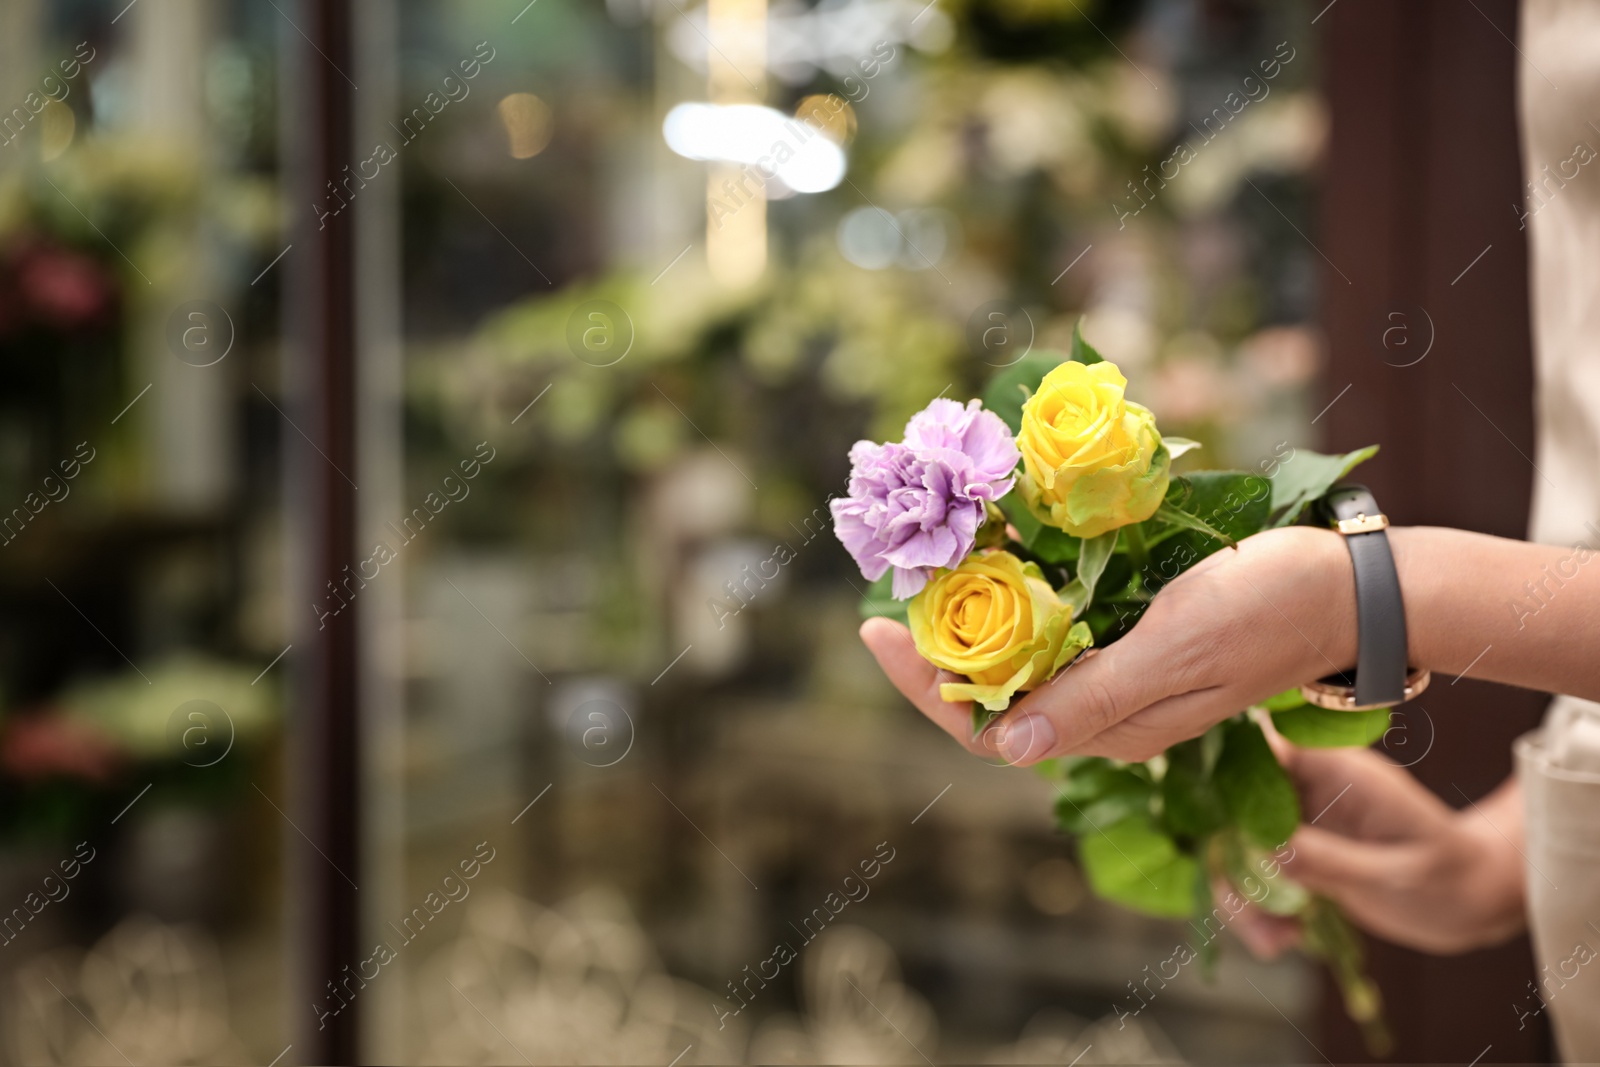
(997, 621)
(1092, 461)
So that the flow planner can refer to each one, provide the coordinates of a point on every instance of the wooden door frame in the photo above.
(1418, 231)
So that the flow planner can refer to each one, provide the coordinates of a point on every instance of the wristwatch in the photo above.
(1381, 678)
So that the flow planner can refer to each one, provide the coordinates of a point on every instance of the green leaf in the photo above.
(1174, 516)
(1289, 698)
(981, 718)
(1052, 770)
(1306, 475)
(1190, 803)
(1255, 789)
(880, 600)
(1093, 555)
(1048, 543)
(1233, 503)
(1204, 905)
(1132, 863)
(1008, 390)
(1257, 874)
(1083, 351)
(1312, 727)
(1097, 793)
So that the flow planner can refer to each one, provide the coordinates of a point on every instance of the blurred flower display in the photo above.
(136, 711)
(62, 761)
(41, 745)
(1025, 158)
(53, 288)
(540, 273)
(993, 171)
(1003, 180)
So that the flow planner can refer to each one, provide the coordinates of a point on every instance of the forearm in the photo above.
(1506, 611)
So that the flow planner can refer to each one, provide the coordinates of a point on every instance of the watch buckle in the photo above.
(1362, 523)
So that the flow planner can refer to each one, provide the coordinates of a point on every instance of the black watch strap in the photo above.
(1380, 676)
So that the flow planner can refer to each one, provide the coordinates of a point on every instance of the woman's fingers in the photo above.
(1090, 696)
(1358, 793)
(1375, 884)
(1330, 863)
(1155, 728)
(1081, 710)
(918, 680)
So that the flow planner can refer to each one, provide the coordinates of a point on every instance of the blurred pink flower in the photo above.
(61, 287)
(1282, 356)
(1189, 390)
(42, 744)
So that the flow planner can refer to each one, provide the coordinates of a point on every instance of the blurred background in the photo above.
(612, 287)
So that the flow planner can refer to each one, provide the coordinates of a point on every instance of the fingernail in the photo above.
(1027, 739)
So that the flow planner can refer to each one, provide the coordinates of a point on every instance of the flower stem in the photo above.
(1138, 553)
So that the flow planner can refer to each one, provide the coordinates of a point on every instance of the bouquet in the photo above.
(1014, 533)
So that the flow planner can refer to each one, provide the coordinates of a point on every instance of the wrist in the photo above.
(1489, 864)
(1383, 673)
(1335, 611)
(1403, 543)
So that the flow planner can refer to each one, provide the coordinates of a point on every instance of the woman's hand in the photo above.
(1401, 863)
(1243, 625)
(1278, 612)
(1228, 633)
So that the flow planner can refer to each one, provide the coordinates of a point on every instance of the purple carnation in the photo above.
(981, 436)
(916, 506)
